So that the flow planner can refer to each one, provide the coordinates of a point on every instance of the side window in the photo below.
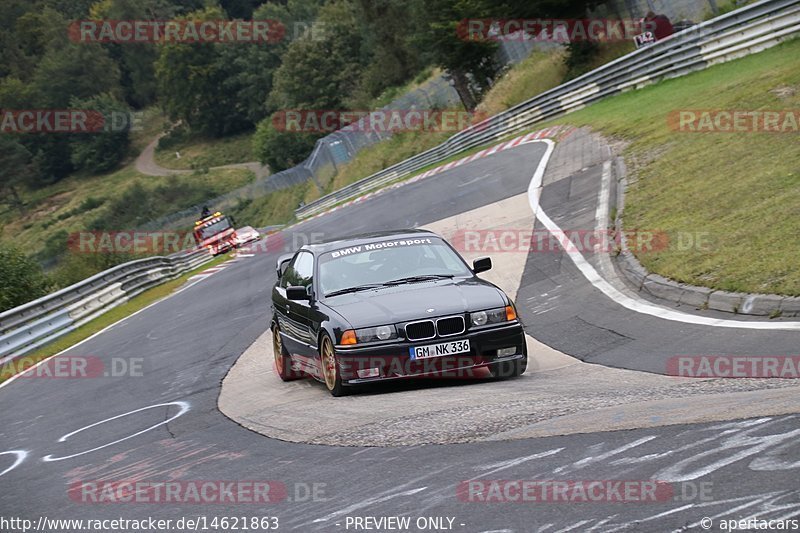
(299, 272)
(304, 267)
(289, 276)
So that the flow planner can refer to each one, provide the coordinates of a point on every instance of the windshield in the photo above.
(212, 229)
(387, 261)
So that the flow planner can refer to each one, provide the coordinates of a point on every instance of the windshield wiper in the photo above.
(415, 279)
(410, 279)
(357, 288)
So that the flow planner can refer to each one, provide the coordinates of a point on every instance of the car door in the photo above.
(295, 315)
(288, 327)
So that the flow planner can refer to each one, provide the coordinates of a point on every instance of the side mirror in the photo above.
(482, 264)
(298, 293)
(281, 264)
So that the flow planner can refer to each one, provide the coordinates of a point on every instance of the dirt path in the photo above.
(146, 164)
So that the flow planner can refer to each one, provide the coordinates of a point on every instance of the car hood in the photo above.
(412, 301)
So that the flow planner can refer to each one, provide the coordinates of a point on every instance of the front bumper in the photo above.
(393, 361)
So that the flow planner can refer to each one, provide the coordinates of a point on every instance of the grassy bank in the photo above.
(206, 153)
(740, 192)
(114, 201)
(741, 189)
(274, 208)
(534, 75)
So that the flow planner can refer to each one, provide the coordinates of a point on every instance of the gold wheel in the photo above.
(328, 364)
(277, 349)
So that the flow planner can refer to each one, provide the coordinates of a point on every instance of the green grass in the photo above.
(63, 207)
(741, 190)
(534, 75)
(207, 153)
(117, 313)
(375, 158)
(274, 208)
(152, 123)
(394, 92)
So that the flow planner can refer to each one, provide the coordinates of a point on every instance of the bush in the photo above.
(21, 278)
(281, 149)
(579, 58)
(100, 151)
(87, 205)
(177, 136)
(54, 246)
(74, 266)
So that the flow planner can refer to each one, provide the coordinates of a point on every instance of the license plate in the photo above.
(439, 350)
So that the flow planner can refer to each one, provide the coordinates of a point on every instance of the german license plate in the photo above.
(439, 350)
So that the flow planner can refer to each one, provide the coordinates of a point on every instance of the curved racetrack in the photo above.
(165, 424)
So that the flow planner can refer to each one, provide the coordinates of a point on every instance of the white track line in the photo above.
(534, 194)
(634, 304)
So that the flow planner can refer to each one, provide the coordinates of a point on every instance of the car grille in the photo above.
(421, 330)
(453, 325)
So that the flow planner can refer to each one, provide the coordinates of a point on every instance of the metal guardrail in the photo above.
(742, 32)
(36, 323)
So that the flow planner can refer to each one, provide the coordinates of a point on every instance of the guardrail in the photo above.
(38, 322)
(742, 32)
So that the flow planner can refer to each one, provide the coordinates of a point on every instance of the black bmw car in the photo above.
(388, 306)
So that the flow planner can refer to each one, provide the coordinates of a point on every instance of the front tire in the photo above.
(330, 368)
(509, 369)
(283, 363)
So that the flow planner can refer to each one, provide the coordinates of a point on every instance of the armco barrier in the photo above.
(36, 323)
(745, 31)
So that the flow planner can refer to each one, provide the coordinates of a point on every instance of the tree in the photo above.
(21, 278)
(50, 152)
(136, 62)
(100, 151)
(394, 58)
(75, 70)
(543, 8)
(16, 169)
(470, 64)
(319, 71)
(239, 9)
(281, 149)
(191, 77)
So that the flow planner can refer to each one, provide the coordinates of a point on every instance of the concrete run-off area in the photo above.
(558, 394)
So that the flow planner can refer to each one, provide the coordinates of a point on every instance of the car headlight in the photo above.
(493, 316)
(378, 333)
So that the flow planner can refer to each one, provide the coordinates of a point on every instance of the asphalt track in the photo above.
(60, 431)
